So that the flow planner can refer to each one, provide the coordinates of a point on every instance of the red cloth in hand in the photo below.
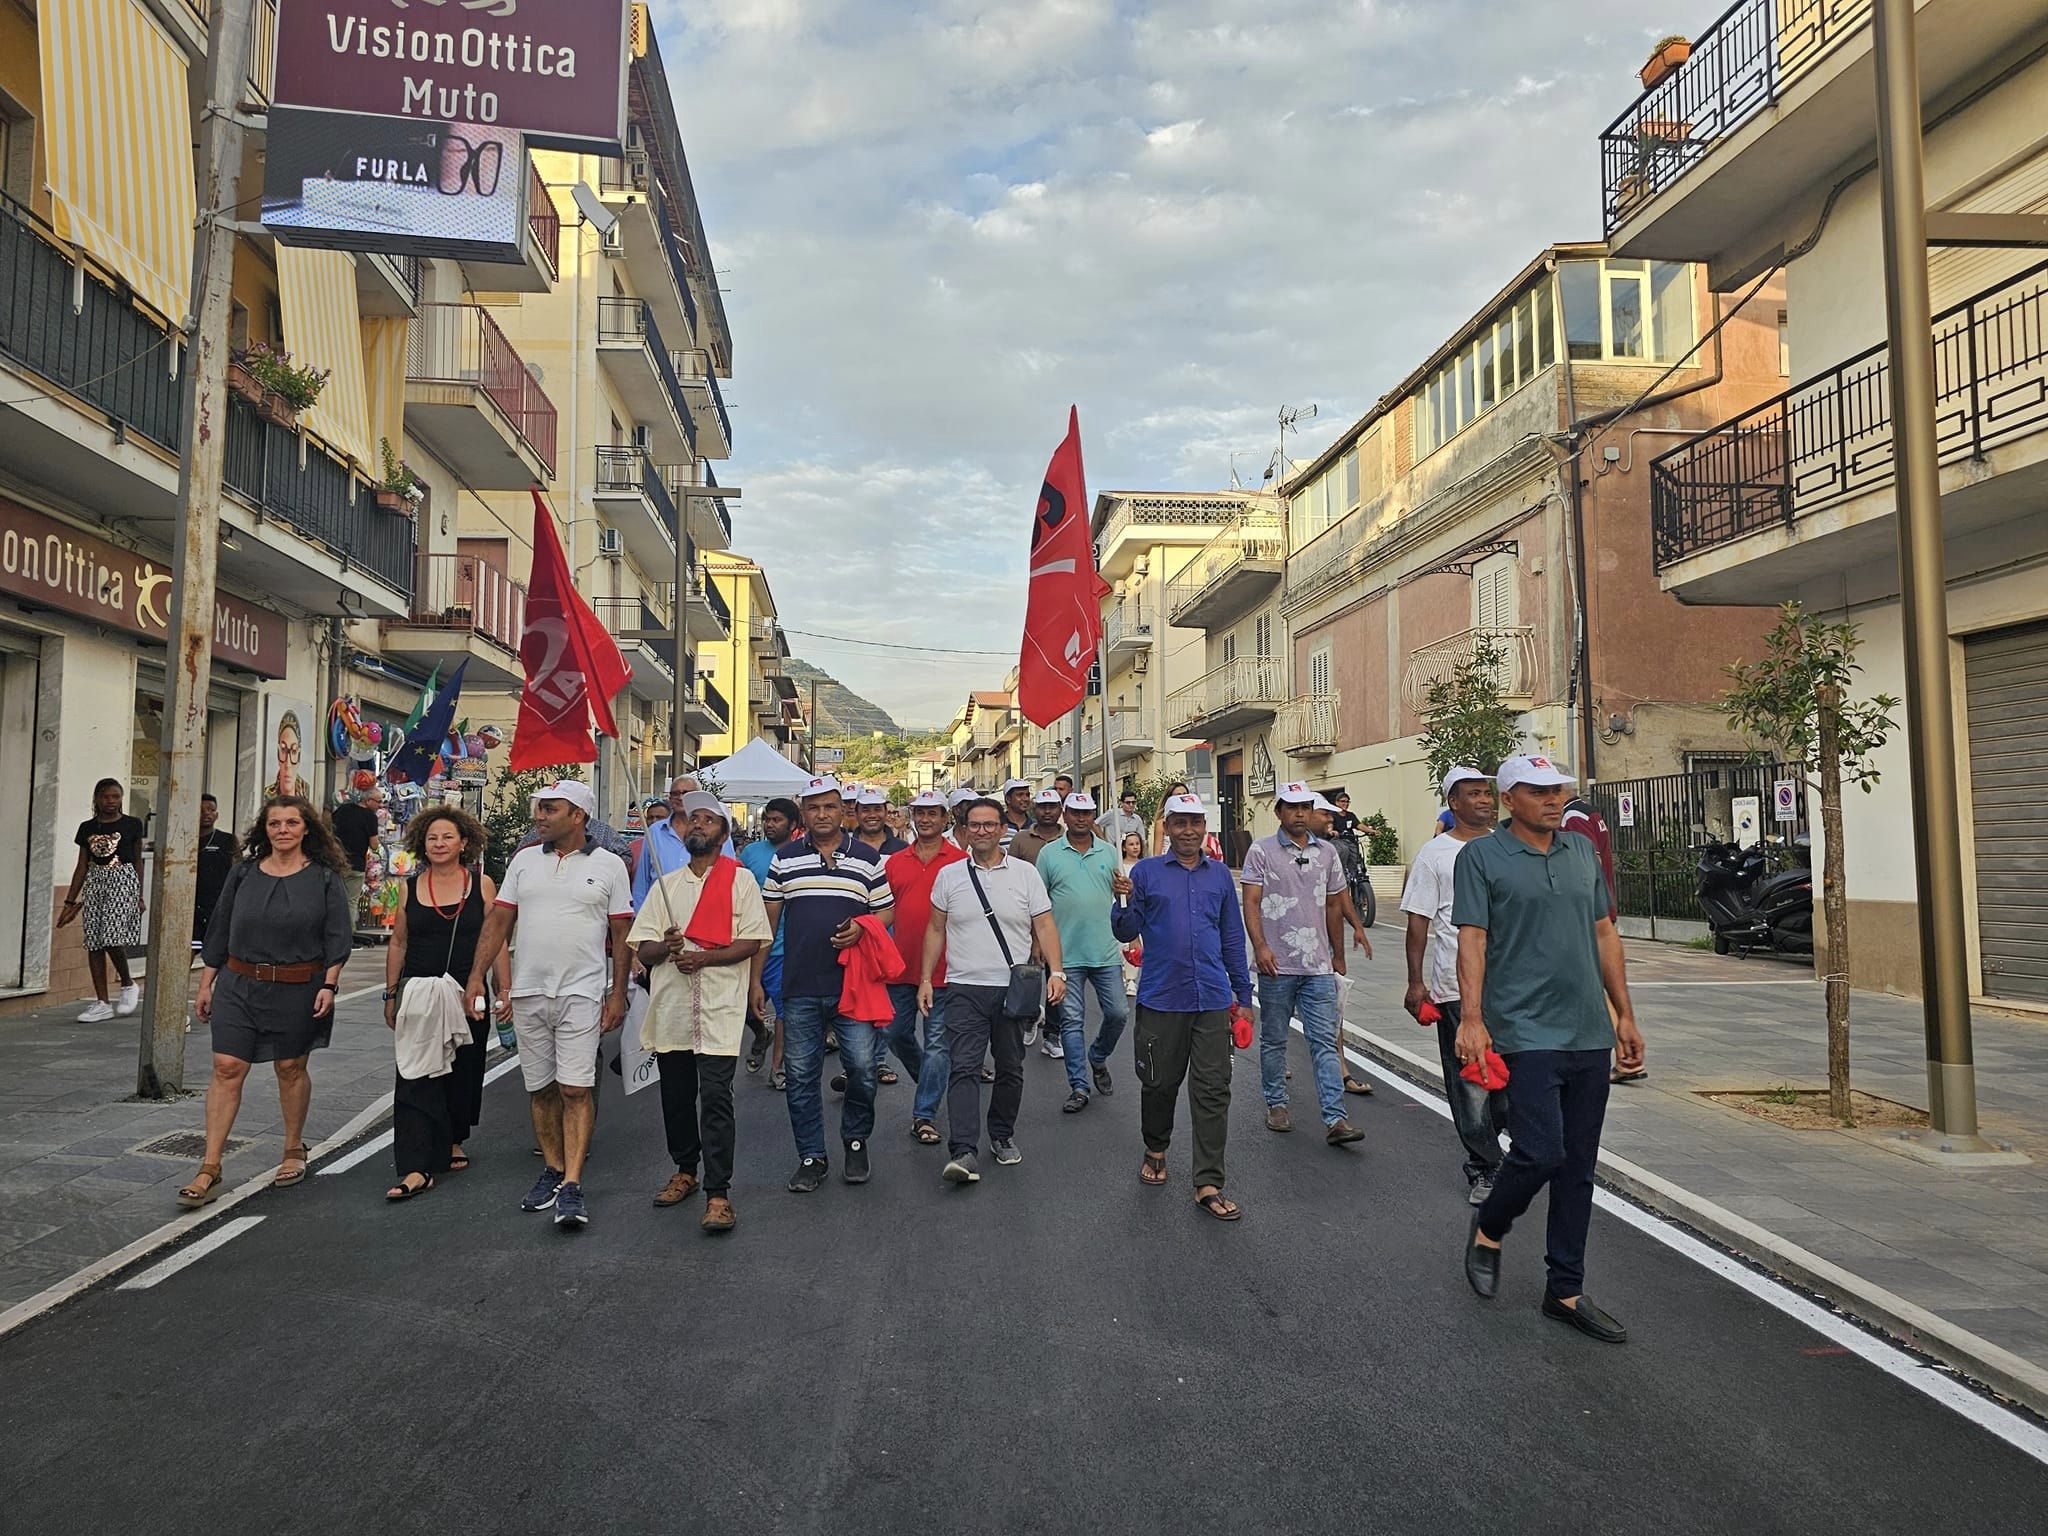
(1489, 1072)
(870, 964)
(1241, 1028)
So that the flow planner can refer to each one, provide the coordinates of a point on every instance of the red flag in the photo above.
(1063, 613)
(573, 668)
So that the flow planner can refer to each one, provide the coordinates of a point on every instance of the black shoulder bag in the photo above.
(1025, 997)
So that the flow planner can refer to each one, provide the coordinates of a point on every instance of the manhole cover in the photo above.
(185, 1146)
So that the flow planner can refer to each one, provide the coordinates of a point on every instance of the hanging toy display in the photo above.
(349, 735)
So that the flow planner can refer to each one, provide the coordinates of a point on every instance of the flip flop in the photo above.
(1629, 1077)
(1220, 1208)
(926, 1133)
(458, 1161)
(1152, 1170)
(1357, 1085)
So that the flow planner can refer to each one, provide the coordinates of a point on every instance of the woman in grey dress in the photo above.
(274, 950)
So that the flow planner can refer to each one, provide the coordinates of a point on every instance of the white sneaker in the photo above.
(131, 999)
(97, 1013)
(1052, 1049)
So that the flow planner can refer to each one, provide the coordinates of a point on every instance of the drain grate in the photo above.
(186, 1145)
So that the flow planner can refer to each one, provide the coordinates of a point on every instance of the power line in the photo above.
(890, 645)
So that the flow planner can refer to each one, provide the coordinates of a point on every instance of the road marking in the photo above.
(376, 1144)
(1810, 981)
(2022, 1434)
(226, 1232)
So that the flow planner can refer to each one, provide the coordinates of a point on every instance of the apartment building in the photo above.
(748, 665)
(1757, 154)
(1499, 496)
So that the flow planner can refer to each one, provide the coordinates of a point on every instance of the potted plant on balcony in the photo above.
(241, 381)
(287, 388)
(400, 490)
(1669, 53)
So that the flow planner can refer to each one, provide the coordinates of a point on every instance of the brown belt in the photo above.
(302, 972)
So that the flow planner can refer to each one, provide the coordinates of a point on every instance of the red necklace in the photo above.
(451, 913)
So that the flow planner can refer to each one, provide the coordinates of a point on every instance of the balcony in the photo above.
(632, 496)
(705, 712)
(1129, 735)
(1241, 692)
(540, 257)
(1138, 520)
(1235, 571)
(1775, 101)
(1307, 726)
(647, 241)
(1435, 663)
(1126, 630)
(463, 607)
(646, 641)
(471, 399)
(1802, 484)
(635, 359)
(710, 523)
(762, 695)
(707, 403)
(709, 618)
(387, 287)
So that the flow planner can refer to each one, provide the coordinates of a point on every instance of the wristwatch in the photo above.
(1062, 975)
(391, 994)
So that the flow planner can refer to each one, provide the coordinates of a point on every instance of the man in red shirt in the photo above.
(910, 872)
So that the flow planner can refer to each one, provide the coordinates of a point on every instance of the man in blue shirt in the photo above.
(1183, 905)
(663, 843)
(778, 821)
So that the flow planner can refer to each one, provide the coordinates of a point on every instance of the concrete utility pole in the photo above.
(811, 731)
(1923, 590)
(685, 668)
(160, 1064)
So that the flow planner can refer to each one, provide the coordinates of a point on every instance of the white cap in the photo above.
(575, 791)
(1323, 805)
(1184, 805)
(1048, 797)
(1295, 793)
(1013, 784)
(1531, 769)
(930, 800)
(964, 795)
(870, 796)
(704, 800)
(1081, 800)
(824, 784)
(1459, 776)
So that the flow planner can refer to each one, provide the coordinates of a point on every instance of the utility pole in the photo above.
(1923, 592)
(811, 730)
(160, 1063)
(685, 658)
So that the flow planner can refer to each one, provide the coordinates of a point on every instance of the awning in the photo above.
(118, 144)
(384, 344)
(316, 290)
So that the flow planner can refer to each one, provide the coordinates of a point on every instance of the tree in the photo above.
(1463, 718)
(899, 794)
(1795, 700)
(1150, 794)
(508, 811)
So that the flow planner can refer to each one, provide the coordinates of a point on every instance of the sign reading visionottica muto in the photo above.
(554, 70)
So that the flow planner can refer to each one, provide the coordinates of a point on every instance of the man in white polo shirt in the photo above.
(573, 894)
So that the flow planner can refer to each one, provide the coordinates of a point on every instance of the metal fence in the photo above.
(1658, 825)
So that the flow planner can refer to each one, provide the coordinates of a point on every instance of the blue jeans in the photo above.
(805, 1021)
(1108, 982)
(1312, 999)
(925, 1058)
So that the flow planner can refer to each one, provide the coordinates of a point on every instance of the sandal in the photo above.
(406, 1189)
(925, 1132)
(457, 1161)
(1357, 1085)
(885, 1076)
(1619, 1076)
(1220, 1208)
(988, 1074)
(1153, 1169)
(287, 1174)
(195, 1194)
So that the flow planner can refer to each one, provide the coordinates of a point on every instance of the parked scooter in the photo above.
(1754, 900)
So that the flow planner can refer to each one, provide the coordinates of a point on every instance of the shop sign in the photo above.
(54, 565)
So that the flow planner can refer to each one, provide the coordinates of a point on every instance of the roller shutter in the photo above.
(2007, 673)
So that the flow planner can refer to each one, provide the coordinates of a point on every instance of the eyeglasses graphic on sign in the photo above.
(466, 164)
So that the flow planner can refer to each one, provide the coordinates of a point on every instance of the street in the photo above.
(1056, 1349)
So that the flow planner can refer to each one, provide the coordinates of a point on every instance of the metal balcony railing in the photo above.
(629, 321)
(1830, 438)
(632, 618)
(1129, 730)
(704, 590)
(461, 344)
(1515, 672)
(625, 468)
(696, 367)
(679, 487)
(463, 592)
(1243, 682)
(1739, 66)
(1244, 541)
(706, 692)
(634, 174)
(543, 220)
(1125, 623)
(1307, 726)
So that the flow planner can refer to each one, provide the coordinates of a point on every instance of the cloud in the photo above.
(940, 223)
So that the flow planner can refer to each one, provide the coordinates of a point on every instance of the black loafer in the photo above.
(1102, 1083)
(1076, 1102)
(1587, 1318)
(1482, 1265)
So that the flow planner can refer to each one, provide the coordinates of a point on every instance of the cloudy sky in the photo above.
(938, 223)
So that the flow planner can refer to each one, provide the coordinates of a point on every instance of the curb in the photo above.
(1999, 1369)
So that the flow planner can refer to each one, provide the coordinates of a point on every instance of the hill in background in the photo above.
(841, 711)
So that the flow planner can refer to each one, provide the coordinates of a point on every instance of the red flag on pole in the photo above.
(1063, 613)
(573, 668)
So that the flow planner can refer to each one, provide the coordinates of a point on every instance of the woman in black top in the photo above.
(445, 903)
(106, 888)
(273, 953)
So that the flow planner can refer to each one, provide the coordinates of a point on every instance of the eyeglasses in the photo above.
(477, 165)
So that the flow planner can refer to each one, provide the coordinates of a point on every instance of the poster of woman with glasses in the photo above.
(287, 739)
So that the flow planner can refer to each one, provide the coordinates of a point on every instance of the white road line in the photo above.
(2025, 1436)
(158, 1274)
(1637, 986)
(376, 1144)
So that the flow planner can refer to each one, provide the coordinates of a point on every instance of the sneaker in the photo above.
(1102, 1083)
(1051, 1049)
(98, 1012)
(131, 999)
(570, 1211)
(962, 1170)
(1006, 1152)
(856, 1169)
(1031, 1034)
(1076, 1102)
(545, 1188)
(1481, 1188)
(810, 1173)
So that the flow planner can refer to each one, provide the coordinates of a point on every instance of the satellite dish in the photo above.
(592, 207)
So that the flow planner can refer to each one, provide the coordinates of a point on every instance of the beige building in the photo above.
(747, 665)
(1795, 498)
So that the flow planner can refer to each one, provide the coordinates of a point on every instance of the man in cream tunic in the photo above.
(698, 967)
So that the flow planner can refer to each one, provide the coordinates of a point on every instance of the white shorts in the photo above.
(557, 1040)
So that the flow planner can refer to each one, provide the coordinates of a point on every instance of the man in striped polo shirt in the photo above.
(818, 884)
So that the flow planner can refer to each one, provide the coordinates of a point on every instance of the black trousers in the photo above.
(430, 1115)
(975, 1027)
(696, 1113)
(1194, 1048)
(1557, 1103)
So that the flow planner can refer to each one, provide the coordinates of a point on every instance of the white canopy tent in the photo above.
(755, 773)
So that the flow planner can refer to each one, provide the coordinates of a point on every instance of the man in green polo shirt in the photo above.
(1077, 871)
(1539, 963)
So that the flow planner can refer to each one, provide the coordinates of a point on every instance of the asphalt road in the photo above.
(1057, 1349)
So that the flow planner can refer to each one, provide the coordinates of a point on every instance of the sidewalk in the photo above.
(1953, 1261)
(76, 1183)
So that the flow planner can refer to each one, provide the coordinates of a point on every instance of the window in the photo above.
(1618, 311)
(1784, 344)
(1262, 635)
(1505, 353)
(1345, 485)
(1319, 671)
(1546, 326)
(1578, 283)
(17, 150)
(1229, 648)
(1486, 396)
(1494, 604)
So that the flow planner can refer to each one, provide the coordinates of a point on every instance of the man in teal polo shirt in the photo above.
(1539, 963)
(1077, 871)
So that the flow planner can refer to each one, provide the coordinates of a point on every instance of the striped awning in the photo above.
(118, 144)
(316, 290)
(384, 345)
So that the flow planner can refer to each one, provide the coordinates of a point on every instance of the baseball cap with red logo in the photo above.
(1532, 769)
(824, 784)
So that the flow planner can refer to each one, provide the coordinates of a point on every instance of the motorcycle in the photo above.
(1353, 862)
(1755, 900)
